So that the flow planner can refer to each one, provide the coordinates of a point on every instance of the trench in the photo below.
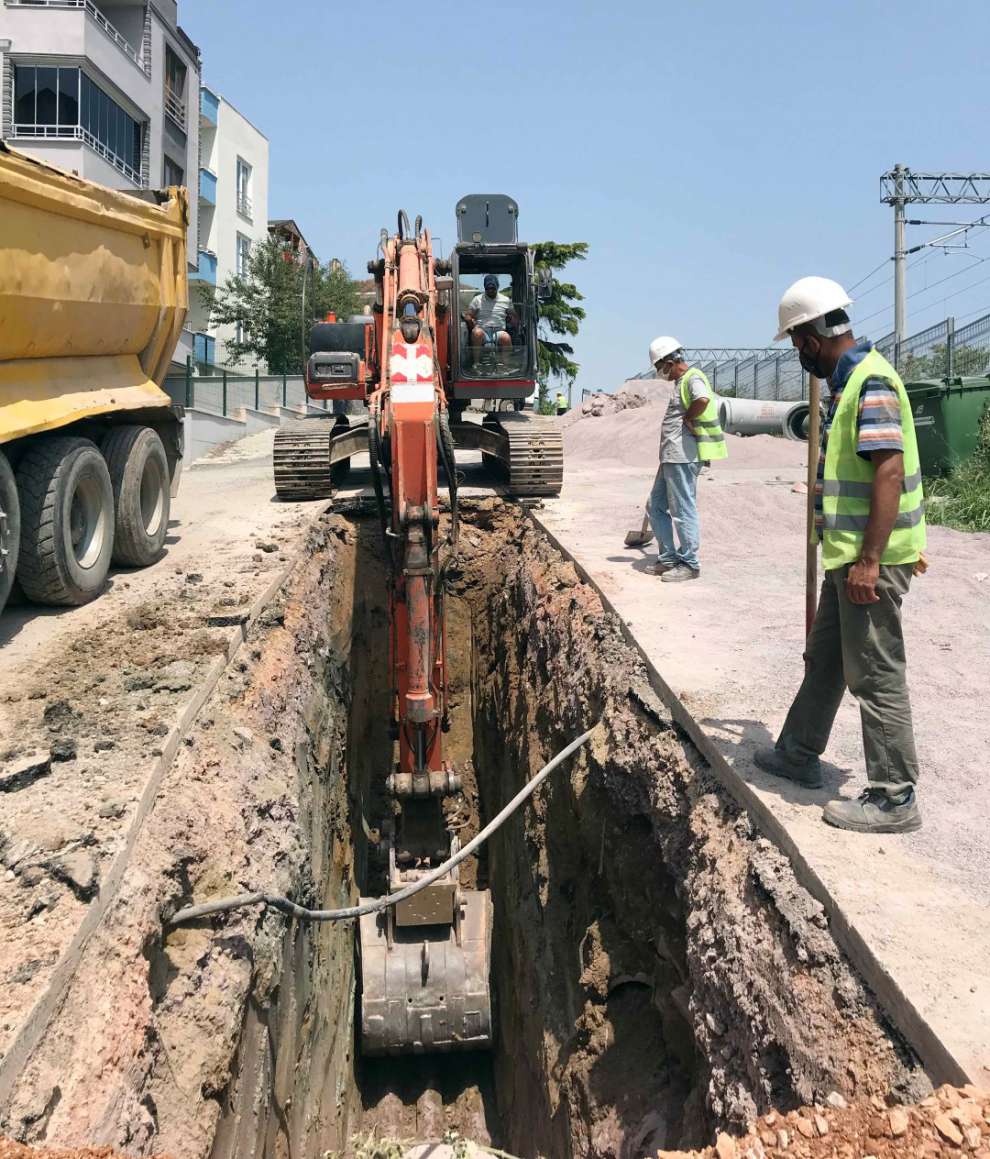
(658, 973)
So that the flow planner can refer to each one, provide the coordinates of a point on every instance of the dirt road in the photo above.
(90, 697)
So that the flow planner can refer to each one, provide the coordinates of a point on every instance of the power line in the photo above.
(868, 276)
(917, 293)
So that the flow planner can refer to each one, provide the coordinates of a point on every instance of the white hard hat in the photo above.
(663, 347)
(808, 299)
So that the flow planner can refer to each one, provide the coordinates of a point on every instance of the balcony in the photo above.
(98, 18)
(206, 273)
(175, 108)
(207, 187)
(244, 206)
(209, 108)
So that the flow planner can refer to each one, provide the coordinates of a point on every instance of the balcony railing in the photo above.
(78, 133)
(95, 14)
(244, 206)
(175, 108)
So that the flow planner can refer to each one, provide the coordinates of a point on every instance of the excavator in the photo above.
(415, 364)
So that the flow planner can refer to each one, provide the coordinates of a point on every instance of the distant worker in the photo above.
(562, 404)
(488, 318)
(871, 525)
(690, 436)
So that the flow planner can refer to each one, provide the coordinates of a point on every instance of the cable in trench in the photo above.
(286, 906)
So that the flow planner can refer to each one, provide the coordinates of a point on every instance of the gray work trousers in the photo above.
(859, 647)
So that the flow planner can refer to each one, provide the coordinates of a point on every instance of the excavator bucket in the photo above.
(425, 987)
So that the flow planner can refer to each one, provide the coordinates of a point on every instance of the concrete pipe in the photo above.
(753, 416)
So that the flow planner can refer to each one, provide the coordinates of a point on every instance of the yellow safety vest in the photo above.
(848, 481)
(706, 428)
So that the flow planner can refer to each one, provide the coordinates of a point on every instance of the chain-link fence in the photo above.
(940, 351)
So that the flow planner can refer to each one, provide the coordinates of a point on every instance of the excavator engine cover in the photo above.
(425, 988)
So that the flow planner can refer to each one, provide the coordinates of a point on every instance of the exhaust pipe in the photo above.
(753, 416)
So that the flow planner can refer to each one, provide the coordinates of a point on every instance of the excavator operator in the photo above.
(490, 317)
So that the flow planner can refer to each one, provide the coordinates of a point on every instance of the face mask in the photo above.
(810, 362)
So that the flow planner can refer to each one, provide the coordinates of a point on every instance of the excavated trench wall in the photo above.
(658, 972)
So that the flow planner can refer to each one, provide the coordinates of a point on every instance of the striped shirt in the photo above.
(878, 423)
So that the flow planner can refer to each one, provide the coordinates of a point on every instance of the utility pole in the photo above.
(901, 186)
(900, 265)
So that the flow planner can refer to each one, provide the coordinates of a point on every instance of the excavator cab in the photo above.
(494, 297)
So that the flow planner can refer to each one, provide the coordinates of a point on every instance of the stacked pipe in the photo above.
(753, 416)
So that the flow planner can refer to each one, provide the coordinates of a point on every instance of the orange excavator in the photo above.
(437, 338)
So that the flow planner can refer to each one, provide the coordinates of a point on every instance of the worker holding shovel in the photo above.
(871, 524)
(690, 436)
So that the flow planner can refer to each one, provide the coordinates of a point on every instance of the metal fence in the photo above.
(225, 393)
(940, 351)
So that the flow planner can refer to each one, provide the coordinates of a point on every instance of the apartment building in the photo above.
(106, 88)
(233, 215)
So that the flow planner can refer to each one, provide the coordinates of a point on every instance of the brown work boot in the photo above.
(659, 568)
(873, 811)
(778, 764)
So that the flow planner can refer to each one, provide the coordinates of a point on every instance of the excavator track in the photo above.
(535, 454)
(312, 455)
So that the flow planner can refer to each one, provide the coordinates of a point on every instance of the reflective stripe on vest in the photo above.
(706, 429)
(847, 488)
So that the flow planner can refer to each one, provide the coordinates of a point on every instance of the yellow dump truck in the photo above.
(93, 296)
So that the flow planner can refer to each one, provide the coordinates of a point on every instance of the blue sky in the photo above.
(710, 152)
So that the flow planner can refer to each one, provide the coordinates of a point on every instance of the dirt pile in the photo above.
(949, 1123)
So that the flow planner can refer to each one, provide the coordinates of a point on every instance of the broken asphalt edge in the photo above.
(49, 1001)
(937, 1058)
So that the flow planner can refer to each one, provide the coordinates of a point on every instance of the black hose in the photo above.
(276, 901)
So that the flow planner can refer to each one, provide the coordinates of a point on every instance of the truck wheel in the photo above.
(10, 529)
(140, 478)
(66, 521)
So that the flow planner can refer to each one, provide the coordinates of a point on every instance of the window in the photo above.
(243, 188)
(173, 174)
(64, 102)
(175, 88)
(243, 254)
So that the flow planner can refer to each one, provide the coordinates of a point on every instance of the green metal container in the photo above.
(947, 415)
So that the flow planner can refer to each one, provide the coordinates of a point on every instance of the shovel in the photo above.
(641, 537)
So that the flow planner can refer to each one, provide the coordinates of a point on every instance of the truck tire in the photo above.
(139, 476)
(66, 521)
(10, 529)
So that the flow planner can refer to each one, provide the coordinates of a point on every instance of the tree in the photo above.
(274, 302)
(561, 315)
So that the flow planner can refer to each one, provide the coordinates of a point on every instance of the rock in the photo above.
(111, 808)
(837, 1101)
(78, 871)
(804, 1127)
(267, 548)
(24, 771)
(244, 734)
(783, 1139)
(138, 683)
(194, 577)
(58, 714)
(821, 1125)
(948, 1130)
(898, 1120)
(64, 749)
(800, 488)
(725, 1148)
(972, 1136)
(104, 746)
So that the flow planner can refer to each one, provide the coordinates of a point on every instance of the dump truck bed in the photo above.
(93, 296)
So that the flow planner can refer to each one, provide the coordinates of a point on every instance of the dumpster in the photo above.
(947, 414)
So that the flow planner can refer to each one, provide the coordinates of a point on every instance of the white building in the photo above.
(106, 88)
(233, 214)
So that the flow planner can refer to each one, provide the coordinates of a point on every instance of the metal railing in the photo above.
(175, 108)
(939, 351)
(224, 393)
(91, 10)
(244, 206)
(78, 133)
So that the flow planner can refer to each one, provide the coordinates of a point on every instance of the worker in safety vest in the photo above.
(690, 436)
(871, 525)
